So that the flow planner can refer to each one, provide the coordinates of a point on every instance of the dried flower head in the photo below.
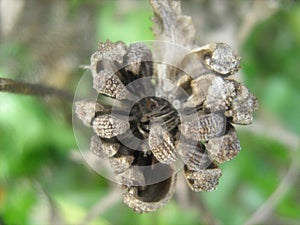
(161, 116)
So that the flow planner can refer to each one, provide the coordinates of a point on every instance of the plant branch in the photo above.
(18, 87)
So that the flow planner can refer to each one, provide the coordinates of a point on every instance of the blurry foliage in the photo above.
(36, 141)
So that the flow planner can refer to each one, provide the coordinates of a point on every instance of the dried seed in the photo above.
(103, 149)
(150, 198)
(139, 60)
(86, 111)
(162, 144)
(203, 180)
(108, 51)
(219, 58)
(106, 82)
(133, 176)
(108, 126)
(225, 148)
(193, 155)
(219, 94)
(121, 163)
(242, 106)
(200, 87)
(203, 127)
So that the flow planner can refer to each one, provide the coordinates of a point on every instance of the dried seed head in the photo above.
(86, 111)
(203, 180)
(103, 149)
(150, 198)
(106, 82)
(120, 163)
(224, 148)
(243, 106)
(162, 144)
(139, 60)
(108, 126)
(203, 127)
(133, 176)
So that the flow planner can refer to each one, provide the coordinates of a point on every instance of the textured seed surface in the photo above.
(103, 149)
(224, 148)
(109, 51)
(219, 94)
(204, 180)
(131, 177)
(193, 155)
(119, 164)
(203, 127)
(86, 111)
(161, 144)
(138, 59)
(222, 59)
(243, 106)
(106, 82)
(107, 126)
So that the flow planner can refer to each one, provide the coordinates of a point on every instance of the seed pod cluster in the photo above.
(201, 139)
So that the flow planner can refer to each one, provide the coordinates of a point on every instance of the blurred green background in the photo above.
(43, 179)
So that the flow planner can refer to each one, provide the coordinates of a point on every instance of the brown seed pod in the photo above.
(193, 155)
(103, 149)
(108, 126)
(242, 106)
(203, 127)
(162, 144)
(225, 148)
(203, 180)
(151, 197)
(86, 111)
(107, 52)
(139, 60)
(219, 58)
(121, 163)
(108, 83)
(133, 176)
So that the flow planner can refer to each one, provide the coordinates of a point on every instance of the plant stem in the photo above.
(18, 87)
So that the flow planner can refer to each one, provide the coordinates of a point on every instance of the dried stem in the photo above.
(18, 87)
(101, 206)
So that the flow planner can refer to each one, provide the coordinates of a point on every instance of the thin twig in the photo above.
(18, 87)
(264, 211)
(101, 206)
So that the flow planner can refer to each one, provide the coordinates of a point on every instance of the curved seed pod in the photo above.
(86, 111)
(106, 82)
(133, 176)
(103, 149)
(139, 60)
(193, 155)
(219, 58)
(203, 180)
(151, 197)
(108, 126)
(224, 148)
(219, 95)
(203, 127)
(107, 51)
(162, 144)
(242, 106)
